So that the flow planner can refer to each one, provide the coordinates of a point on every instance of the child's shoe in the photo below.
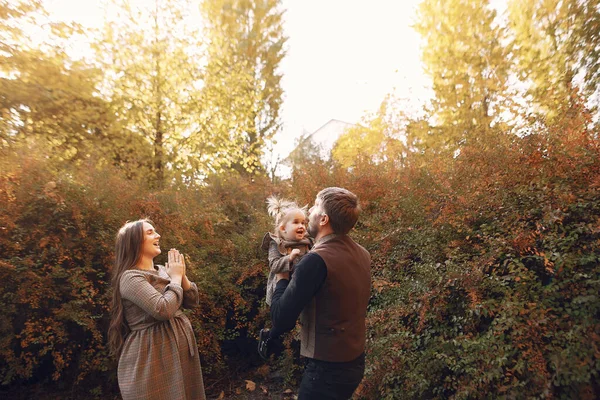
(263, 344)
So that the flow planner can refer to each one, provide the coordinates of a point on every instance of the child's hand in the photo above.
(295, 253)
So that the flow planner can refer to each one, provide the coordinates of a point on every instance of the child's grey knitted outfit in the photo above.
(279, 259)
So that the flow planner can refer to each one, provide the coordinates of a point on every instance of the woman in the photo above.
(149, 334)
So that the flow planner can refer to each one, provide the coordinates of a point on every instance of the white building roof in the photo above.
(326, 136)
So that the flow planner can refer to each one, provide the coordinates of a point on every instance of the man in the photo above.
(329, 290)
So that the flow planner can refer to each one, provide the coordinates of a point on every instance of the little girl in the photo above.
(289, 242)
(286, 246)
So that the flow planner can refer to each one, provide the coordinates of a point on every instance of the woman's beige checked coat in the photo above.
(160, 358)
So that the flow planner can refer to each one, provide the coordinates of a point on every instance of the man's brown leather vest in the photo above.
(334, 322)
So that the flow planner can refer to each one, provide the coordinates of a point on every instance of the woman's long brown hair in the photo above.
(128, 246)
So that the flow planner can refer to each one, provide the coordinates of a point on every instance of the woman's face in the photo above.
(295, 227)
(150, 245)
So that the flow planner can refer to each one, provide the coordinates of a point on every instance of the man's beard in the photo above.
(312, 230)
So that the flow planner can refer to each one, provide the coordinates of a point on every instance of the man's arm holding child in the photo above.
(291, 296)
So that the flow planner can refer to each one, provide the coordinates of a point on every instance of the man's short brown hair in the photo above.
(341, 206)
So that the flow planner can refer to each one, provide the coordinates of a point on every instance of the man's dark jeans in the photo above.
(323, 380)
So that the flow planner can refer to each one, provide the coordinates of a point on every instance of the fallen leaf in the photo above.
(251, 386)
(288, 391)
(264, 389)
(221, 396)
(238, 391)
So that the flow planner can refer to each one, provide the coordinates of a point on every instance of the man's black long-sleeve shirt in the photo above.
(290, 297)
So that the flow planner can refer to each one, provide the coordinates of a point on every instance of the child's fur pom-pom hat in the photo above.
(277, 207)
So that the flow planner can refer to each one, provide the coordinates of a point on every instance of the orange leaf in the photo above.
(251, 386)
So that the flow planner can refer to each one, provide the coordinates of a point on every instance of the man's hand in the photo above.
(282, 275)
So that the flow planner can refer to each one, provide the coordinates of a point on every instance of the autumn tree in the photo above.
(555, 41)
(306, 152)
(47, 99)
(381, 137)
(152, 76)
(12, 17)
(242, 87)
(465, 55)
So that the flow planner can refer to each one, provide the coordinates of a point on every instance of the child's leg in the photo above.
(274, 333)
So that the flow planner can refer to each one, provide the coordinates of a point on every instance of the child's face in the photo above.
(295, 227)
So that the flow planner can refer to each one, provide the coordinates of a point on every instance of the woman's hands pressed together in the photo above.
(176, 269)
(176, 266)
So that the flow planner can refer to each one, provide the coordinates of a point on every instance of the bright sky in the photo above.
(343, 57)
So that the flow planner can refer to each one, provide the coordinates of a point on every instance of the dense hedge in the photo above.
(57, 234)
(487, 272)
(485, 266)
